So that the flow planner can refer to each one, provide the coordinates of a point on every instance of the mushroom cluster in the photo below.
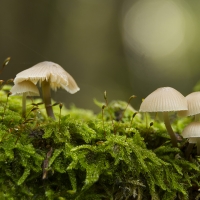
(164, 100)
(192, 131)
(48, 75)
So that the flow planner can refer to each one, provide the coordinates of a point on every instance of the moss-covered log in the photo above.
(84, 156)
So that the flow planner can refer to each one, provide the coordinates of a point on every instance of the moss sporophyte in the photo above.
(118, 154)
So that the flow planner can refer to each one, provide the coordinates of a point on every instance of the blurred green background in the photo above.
(124, 47)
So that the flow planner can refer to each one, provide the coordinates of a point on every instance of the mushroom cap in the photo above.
(192, 131)
(193, 101)
(162, 100)
(51, 72)
(25, 87)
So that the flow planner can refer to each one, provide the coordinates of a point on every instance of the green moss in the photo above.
(115, 154)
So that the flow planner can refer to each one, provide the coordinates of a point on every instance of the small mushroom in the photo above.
(192, 131)
(24, 88)
(164, 100)
(193, 101)
(49, 75)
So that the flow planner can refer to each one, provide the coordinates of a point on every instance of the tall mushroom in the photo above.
(24, 88)
(164, 100)
(49, 75)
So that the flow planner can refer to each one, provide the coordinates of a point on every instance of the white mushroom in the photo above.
(193, 101)
(164, 100)
(192, 131)
(24, 88)
(49, 75)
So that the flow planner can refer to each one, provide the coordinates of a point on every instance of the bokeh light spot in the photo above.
(154, 28)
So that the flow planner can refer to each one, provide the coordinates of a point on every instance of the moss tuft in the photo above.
(116, 154)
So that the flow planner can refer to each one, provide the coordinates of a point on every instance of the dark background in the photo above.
(88, 38)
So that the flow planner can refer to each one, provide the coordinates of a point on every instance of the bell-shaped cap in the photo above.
(163, 100)
(192, 131)
(193, 101)
(25, 87)
(51, 72)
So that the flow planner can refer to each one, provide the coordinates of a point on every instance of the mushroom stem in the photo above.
(189, 150)
(169, 129)
(46, 92)
(196, 117)
(24, 105)
(198, 146)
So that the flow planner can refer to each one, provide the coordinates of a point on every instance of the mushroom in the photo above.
(24, 88)
(193, 101)
(164, 100)
(192, 131)
(49, 75)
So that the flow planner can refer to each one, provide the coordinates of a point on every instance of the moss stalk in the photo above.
(24, 105)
